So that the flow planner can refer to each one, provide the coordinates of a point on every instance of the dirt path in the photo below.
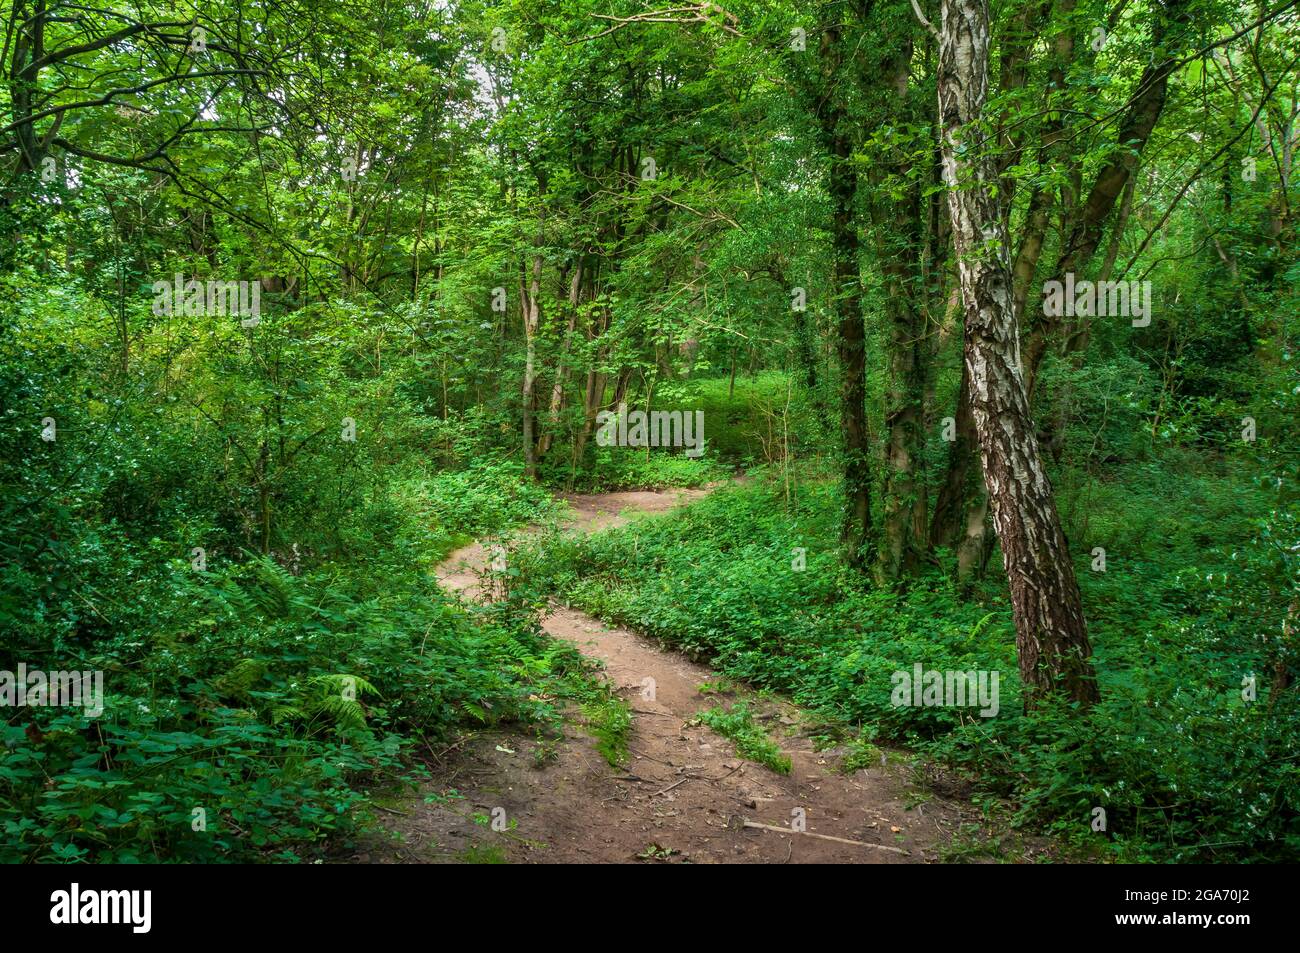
(684, 795)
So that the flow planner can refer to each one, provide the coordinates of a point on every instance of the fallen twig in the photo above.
(838, 840)
(673, 785)
(722, 777)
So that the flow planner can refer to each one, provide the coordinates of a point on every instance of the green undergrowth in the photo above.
(752, 742)
(609, 719)
(1184, 767)
(262, 669)
(626, 468)
(254, 721)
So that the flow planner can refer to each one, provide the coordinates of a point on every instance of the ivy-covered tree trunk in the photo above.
(1051, 636)
(847, 293)
(899, 228)
(903, 497)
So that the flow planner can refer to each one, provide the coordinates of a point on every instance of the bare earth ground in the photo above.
(684, 795)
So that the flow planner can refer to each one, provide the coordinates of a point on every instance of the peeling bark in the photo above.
(1051, 635)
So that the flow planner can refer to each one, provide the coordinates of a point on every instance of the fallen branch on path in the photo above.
(723, 777)
(438, 756)
(838, 840)
(673, 785)
(699, 777)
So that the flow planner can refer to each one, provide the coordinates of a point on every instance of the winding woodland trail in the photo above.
(684, 795)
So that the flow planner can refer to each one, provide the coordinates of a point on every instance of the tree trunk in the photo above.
(804, 346)
(961, 510)
(847, 291)
(561, 365)
(531, 310)
(1051, 636)
(902, 540)
(900, 233)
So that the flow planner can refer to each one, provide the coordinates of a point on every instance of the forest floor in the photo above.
(684, 795)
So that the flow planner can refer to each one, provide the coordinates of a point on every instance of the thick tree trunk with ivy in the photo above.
(903, 498)
(1051, 636)
(847, 293)
(853, 360)
(900, 229)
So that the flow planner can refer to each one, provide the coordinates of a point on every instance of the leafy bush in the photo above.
(269, 702)
(271, 638)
